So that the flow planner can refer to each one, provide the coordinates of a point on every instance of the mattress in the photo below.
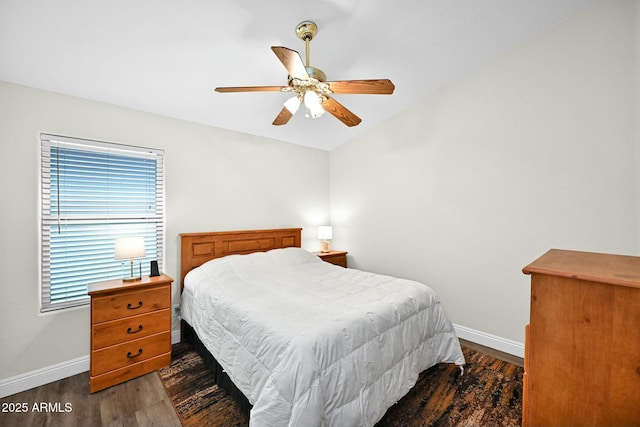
(313, 344)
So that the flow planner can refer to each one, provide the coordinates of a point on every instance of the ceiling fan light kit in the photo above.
(310, 85)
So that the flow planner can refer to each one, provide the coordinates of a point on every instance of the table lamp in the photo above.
(130, 248)
(325, 234)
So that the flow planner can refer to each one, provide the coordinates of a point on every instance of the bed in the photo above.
(305, 342)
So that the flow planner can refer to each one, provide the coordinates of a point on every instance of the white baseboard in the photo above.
(42, 376)
(488, 340)
(52, 373)
(175, 336)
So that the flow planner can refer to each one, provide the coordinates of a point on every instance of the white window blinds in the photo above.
(93, 193)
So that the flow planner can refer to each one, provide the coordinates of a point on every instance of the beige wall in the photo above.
(535, 150)
(637, 108)
(215, 180)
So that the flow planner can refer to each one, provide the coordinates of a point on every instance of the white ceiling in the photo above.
(166, 57)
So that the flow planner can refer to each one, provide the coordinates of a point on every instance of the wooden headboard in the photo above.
(198, 248)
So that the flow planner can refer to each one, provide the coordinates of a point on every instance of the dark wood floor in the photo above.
(139, 402)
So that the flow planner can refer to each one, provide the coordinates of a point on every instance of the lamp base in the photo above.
(130, 272)
(325, 246)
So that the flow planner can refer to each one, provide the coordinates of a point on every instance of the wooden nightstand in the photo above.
(130, 329)
(334, 257)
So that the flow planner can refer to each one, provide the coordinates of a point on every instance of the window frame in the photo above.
(113, 225)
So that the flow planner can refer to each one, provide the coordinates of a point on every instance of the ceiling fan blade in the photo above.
(372, 87)
(340, 112)
(251, 89)
(283, 117)
(291, 61)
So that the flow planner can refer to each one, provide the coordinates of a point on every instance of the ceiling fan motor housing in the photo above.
(316, 73)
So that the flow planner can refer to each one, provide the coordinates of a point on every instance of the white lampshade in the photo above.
(325, 232)
(293, 104)
(313, 103)
(311, 99)
(129, 247)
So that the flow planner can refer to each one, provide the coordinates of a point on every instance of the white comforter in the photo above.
(313, 344)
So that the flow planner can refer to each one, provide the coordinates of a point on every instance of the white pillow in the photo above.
(276, 258)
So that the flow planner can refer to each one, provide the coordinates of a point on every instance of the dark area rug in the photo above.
(488, 394)
(197, 399)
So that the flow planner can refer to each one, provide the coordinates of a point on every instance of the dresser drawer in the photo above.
(123, 304)
(129, 353)
(129, 328)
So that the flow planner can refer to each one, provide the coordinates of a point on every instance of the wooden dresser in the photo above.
(582, 345)
(334, 257)
(130, 329)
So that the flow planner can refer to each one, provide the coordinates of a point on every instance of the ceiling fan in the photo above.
(310, 87)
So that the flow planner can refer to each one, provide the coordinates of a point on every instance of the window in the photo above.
(93, 193)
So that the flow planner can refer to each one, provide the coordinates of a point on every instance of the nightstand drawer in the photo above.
(123, 304)
(129, 353)
(129, 328)
(102, 381)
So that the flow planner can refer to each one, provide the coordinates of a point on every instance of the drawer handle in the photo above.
(131, 331)
(133, 356)
(130, 307)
